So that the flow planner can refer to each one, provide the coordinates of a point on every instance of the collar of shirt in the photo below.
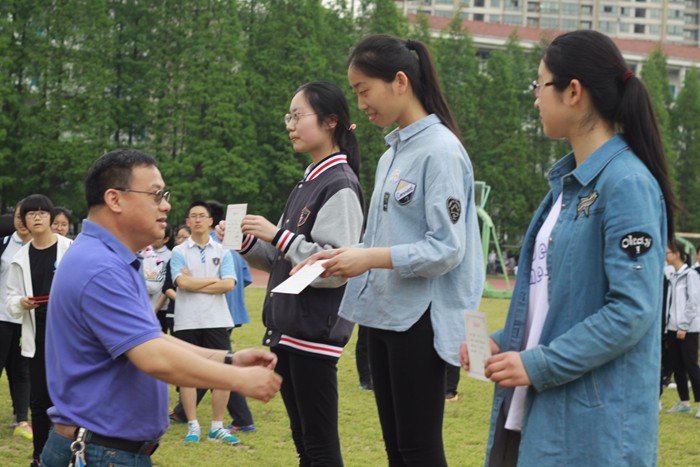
(680, 271)
(402, 134)
(314, 170)
(95, 230)
(591, 167)
(191, 243)
(15, 238)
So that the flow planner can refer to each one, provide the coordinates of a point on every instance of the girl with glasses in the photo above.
(577, 364)
(324, 210)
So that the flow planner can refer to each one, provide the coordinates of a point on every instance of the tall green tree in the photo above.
(655, 76)
(498, 153)
(198, 129)
(685, 117)
(57, 76)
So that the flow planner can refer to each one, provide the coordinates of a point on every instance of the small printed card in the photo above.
(301, 279)
(478, 343)
(233, 237)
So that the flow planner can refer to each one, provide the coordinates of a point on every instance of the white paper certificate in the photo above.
(233, 237)
(301, 279)
(477, 343)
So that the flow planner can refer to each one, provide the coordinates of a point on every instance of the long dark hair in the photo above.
(382, 56)
(617, 95)
(328, 102)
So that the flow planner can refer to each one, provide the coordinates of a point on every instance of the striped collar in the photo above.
(313, 171)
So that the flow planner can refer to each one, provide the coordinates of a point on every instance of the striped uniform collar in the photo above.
(313, 171)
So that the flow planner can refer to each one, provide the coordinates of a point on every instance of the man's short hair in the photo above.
(196, 203)
(35, 202)
(112, 170)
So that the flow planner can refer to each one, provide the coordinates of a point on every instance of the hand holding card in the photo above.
(38, 300)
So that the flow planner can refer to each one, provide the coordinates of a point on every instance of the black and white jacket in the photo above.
(324, 211)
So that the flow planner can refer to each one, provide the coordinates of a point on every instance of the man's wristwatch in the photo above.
(228, 359)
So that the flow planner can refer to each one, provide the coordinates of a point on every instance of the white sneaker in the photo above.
(697, 414)
(680, 407)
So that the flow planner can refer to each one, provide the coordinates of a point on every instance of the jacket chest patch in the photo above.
(303, 217)
(585, 203)
(404, 192)
(636, 243)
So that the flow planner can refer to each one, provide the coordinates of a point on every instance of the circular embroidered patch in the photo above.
(636, 243)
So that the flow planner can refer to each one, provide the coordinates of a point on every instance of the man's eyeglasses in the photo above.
(294, 117)
(536, 87)
(158, 195)
(198, 216)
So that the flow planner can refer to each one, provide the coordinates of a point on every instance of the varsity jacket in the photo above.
(323, 211)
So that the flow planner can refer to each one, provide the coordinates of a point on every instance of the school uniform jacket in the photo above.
(324, 211)
(19, 284)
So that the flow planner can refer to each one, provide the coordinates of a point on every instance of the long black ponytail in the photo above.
(382, 56)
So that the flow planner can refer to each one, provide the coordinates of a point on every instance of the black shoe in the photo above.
(366, 386)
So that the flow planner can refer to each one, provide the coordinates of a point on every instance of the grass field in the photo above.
(465, 426)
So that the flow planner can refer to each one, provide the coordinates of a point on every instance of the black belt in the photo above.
(127, 445)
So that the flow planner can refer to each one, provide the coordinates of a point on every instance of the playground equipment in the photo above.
(488, 236)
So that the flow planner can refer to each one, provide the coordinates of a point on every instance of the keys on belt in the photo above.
(133, 447)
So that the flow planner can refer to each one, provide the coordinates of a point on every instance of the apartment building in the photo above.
(671, 21)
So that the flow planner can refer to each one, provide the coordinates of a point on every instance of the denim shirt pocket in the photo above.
(585, 391)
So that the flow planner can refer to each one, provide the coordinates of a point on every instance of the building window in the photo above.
(495, 3)
(624, 27)
(639, 29)
(570, 8)
(606, 26)
(533, 7)
(624, 11)
(549, 23)
(587, 10)
(586, 25)
(479, 3)
(640, 13)
(478, 17)
(550, 7)
(533, 22)
(568, 24)
(513, 20)
(608, 10)
(654, 29)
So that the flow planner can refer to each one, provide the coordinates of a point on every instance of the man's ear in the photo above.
(112, 199)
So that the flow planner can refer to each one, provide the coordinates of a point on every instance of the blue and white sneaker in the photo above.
(241, 429)
(193, 435)
(222, 435)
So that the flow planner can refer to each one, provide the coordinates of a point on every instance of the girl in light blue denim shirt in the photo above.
(420, 265)
(577, 364)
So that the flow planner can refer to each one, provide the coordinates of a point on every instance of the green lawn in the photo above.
(465, 427)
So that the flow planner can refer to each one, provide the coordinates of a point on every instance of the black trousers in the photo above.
(451, 379)
(17, 367)
(39, 399)
(310, 395)
(684, 361)
(506, 443)
(362, 357)
(409, 387)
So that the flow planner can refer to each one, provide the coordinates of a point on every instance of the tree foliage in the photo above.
(203, 86)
